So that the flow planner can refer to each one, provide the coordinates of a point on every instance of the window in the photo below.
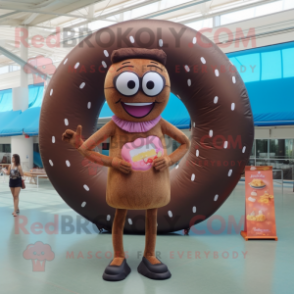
(257, 11)
(5, 148)
(36, 147)
(200, 24)
(262, 148)
(4, 69)
(278, 153)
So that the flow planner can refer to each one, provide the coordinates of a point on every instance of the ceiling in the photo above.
(41, 17)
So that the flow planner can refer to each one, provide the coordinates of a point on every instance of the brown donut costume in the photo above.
(221, 122)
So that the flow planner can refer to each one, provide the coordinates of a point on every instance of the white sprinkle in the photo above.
(187, 68)
(230, 172)
(211, 133)
(108, 217)
(53, 139)
(84, 204)
(170, 214)
(189, 82)
(106, 53)
(77, 65)
(193, 177)
(132, 39)
(234, 80)
(203, 60)
(233, 106)
(215, 198)
(177, 166)
(89, 105)
(86, 188)
(130, 221)
(226, 144)
(193, 124)
(194, 209)
(160, 42)
(65, 61)
(51, 92)
(194, 40)
(51, 162)
(216, 72)
(244, 149)
(82, 85)
(215, 100)
(197, 153)
(179, 97)
(66, 121)
(104, 64)
(67, 163)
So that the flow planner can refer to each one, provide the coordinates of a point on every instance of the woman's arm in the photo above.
(7, 172)
(168, 129)
(20, 170)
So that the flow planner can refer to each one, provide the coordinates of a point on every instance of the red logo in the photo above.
(38, 253)
(43, 64)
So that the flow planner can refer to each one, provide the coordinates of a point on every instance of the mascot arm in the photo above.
(86, 149)
(173, 132)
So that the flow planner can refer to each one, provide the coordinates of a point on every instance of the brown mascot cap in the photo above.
(138, 53)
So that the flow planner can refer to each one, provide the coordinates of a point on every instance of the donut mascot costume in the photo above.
(137, 89)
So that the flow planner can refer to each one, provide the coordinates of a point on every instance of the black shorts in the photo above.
(14, 183)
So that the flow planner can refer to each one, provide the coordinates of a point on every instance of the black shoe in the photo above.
(116, 273)
(153, 271)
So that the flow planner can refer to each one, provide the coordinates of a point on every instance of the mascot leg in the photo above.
(118, 269)
(150, 266)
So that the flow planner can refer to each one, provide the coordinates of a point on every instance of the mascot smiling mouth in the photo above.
(138, 110)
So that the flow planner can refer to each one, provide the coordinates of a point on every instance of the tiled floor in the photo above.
(80, 258)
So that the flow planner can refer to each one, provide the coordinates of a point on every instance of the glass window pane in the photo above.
(262, 149)
(253, 150)
(285, 165)
(289, 146)
(237, 16)
(200, 24)
(281, 148)
(268, 8)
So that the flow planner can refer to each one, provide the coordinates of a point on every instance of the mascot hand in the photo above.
(161, 163)
(73, 137)
(121, 165)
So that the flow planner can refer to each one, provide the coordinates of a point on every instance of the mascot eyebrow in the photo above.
(124, 67)
(151, 65)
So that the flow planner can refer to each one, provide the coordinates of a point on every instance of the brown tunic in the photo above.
(138, 189)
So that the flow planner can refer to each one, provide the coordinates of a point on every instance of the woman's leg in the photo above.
(13, 192)
(16, 198)
(117, 236)
(150, 235)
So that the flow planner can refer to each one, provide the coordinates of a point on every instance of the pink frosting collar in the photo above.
(135, 127)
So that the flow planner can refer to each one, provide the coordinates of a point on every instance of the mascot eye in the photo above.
(127, 83)
(152, 83)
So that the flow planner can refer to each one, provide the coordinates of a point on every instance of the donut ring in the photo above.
(201, 76)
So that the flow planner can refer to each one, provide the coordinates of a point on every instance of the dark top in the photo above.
(14, 173)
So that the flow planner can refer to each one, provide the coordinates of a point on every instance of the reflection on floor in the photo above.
(77, 255)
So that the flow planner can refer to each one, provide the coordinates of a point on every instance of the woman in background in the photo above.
(15, 181)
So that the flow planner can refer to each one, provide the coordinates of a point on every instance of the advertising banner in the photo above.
(260, 222)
